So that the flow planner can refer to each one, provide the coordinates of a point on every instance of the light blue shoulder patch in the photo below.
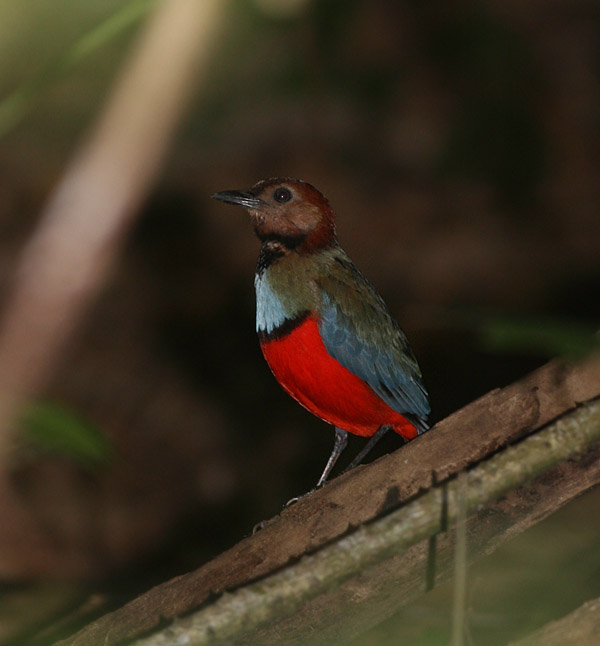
(270, 312)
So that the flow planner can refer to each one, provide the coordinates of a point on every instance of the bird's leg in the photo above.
(381, 431)
(339, 444)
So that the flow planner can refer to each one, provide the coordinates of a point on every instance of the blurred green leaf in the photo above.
(17, 105)
(546, 336)
(56, 429)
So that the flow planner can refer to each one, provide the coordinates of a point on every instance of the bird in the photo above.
(326, 334)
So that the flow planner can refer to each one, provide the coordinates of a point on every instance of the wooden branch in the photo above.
(463, 439)
(581, 627)
(240, 613)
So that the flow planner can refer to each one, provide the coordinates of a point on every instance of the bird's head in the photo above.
(287, 211)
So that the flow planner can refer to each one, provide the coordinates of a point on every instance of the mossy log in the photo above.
(375, 525)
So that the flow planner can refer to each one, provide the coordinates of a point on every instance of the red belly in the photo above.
(304, 368)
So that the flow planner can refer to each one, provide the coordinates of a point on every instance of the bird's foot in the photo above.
(259, 526)
(264, 523)
(293, 501)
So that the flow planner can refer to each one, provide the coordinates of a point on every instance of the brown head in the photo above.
(288, 211)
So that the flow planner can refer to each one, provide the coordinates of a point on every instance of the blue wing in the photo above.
(359, 332)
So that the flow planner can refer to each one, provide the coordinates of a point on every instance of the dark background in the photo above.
(458, 143)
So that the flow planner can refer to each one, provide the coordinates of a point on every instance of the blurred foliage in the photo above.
(52, 428)
(547, 337)
(497, 135)
(15, 106)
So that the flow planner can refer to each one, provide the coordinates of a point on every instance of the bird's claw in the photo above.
(263, 524)
(295, 499)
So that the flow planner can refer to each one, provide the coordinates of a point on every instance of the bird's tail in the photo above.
(421, 424)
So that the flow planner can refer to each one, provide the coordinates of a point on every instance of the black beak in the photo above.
(240, 198)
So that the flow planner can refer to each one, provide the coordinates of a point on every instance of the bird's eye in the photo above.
(282, 195)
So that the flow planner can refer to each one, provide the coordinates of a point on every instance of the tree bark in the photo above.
(581, 627)
(351, 600)
(253, 614)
